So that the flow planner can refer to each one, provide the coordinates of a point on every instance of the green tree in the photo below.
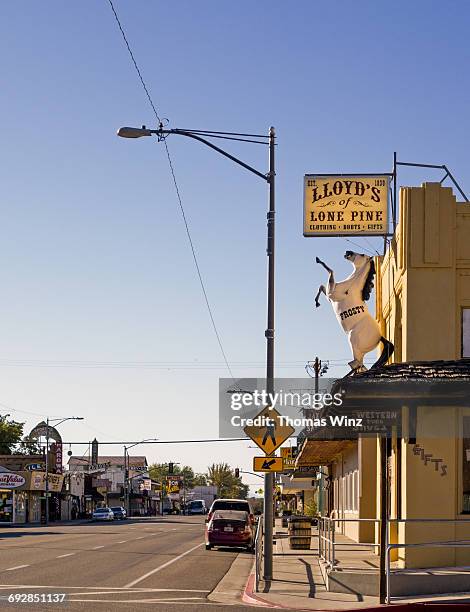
(11, 433)
(223, 477)
(159, 472)
(200, 480)
(12, 440)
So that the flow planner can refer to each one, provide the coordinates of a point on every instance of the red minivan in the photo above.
(230, 528)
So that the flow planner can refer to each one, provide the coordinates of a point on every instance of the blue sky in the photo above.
(96, 265)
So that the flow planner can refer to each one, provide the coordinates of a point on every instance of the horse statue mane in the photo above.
(369, 283)
(348, 299)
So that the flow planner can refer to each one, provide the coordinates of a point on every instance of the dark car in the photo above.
(119, 512)
(230, 528)
(196, 506)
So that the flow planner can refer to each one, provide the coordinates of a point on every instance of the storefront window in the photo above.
(20, 507)
(6, 506)
(466, 332)
(466, 465)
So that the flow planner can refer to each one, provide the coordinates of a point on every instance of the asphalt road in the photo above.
(160, 563)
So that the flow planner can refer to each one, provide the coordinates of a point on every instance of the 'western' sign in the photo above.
(345, 205)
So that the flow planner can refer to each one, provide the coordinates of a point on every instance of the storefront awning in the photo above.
(321, 452)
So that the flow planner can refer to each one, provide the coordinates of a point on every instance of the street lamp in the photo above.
(269, 177)
(126, 470)
(48, 423)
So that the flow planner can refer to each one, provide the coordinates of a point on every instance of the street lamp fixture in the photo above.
(126, 470)
(55, 423)
(130, 132)
(269, 177)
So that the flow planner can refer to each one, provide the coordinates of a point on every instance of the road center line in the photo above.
(67, 555)
(96, 547)
(160, 567)
(10, 569)
(121, 542)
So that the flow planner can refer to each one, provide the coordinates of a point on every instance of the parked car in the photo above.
(196, 506)
(230, 528)
(238, 505)
(119, 512)
(102, 514)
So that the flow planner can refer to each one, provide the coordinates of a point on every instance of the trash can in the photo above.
(300, 531)
(285, 517)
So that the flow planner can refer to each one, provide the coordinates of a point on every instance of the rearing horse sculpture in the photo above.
(348, 299)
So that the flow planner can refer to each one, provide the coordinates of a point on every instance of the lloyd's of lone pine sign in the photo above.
(345, 205)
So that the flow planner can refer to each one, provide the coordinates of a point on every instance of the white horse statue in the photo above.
(348, 299)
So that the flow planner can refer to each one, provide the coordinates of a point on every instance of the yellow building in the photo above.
(423, 307)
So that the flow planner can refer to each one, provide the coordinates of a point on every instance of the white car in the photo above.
(102, 514)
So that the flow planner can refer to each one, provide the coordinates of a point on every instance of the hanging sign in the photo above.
(8, 480)
(173, 484)
(346, 205)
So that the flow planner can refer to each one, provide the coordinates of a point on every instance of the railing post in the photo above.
(333, 543)
(387, 574)
(320, 523)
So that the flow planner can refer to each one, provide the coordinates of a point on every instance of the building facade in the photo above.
(423, 307)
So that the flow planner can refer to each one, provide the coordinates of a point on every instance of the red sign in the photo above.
(58, 457)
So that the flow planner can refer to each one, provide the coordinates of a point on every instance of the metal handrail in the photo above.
(444, 544)
(327, 543)
(258, 551)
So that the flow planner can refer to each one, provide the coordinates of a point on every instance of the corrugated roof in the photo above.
(418, 370)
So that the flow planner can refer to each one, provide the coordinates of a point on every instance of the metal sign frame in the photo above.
(390, 208)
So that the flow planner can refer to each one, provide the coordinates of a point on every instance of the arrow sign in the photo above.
(268, 464)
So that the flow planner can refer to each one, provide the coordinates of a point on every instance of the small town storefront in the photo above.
(22, 489)
(17, 503)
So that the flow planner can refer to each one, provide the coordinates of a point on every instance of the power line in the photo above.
(126, 442)
(188, 233)
(151, 365)
(193, 251)
(134, 61)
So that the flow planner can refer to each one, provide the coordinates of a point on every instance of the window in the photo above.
(465, 332)
(466, 465)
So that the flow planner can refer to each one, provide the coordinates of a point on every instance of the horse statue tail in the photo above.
(386, 353)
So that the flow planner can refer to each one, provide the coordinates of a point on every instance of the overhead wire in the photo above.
(193, 251)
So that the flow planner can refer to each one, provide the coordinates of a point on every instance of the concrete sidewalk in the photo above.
(298, 582)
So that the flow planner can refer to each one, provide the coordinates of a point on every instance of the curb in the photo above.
(249, 597)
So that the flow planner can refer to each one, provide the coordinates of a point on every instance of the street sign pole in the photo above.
(47, 472)
(269, 477)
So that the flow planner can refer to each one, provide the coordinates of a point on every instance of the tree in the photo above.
(200, 480)
(12, 440)
(10, 434)
(223, 477)
(159, 472)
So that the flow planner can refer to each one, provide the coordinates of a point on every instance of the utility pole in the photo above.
(269, 177)
(269, 478)
(319, 370)
(47, 471)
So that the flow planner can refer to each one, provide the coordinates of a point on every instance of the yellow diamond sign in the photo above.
(268, 430)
